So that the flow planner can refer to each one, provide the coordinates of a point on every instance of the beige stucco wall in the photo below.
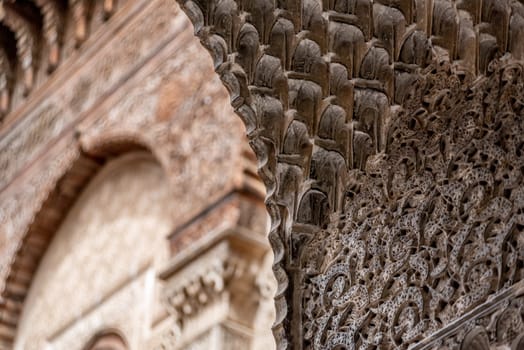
(100, 265)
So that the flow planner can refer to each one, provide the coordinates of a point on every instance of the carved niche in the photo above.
(390, 137)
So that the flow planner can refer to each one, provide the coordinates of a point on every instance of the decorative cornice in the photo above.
(188, 296)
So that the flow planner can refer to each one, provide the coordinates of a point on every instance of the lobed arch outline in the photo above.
(277, 58)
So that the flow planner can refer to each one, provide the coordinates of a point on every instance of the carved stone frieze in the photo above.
(389, 136)
(187, 298)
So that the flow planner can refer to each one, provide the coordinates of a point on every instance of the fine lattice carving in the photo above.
(432, 228)
(389, 137)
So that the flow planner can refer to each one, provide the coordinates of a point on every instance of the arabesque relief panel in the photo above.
(390, 138)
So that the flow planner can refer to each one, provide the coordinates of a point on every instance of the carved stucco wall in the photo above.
(157, 100)
(390, 137)
(127, 86)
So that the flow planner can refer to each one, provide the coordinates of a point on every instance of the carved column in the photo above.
(390, 139)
